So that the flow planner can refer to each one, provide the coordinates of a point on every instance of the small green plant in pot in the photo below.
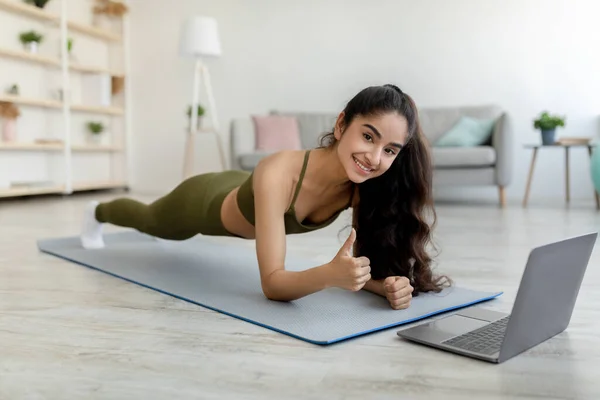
(31, 40)
(547, 124)
(13, 89)
(37, 3)
(95, 129)
(200, 111)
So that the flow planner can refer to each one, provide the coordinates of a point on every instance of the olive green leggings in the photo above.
(193, 207)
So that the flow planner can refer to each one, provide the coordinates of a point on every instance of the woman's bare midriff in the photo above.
(233, 219)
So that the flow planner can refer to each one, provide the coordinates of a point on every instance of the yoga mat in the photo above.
(225, 278)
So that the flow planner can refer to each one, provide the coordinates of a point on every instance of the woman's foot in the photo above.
(91, 232)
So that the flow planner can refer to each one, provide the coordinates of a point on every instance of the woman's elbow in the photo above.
(271, 292)
(268, 289)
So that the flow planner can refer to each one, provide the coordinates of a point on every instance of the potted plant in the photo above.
(9, 114)
(31, 40)
(13, 89)
(37, 3)
(547, 124)
(95, 129)
(200, 110)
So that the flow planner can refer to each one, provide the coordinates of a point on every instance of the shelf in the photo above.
(30, 146)
(57, 189)
(28, 10)
(57, 104)
(97, 109)
(24, 56)
(93, 31)
(39, 147)
(94, 70)
(58, 147)
(55, 62)
(96, 149)
(30, 101)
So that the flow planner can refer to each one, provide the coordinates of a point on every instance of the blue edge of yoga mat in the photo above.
(229, 282)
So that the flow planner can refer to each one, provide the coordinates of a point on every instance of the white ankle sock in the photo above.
(91, 232)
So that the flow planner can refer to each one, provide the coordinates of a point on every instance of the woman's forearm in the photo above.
(375, 287)
(284, 285)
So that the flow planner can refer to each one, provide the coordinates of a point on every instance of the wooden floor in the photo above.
(70, 332)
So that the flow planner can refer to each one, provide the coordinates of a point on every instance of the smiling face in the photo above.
(368, 147)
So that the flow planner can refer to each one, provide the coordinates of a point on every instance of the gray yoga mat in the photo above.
(225, 278)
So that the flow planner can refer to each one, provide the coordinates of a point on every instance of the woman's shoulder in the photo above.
(281, 163)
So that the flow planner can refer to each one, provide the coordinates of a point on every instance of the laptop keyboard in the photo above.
(485, 340)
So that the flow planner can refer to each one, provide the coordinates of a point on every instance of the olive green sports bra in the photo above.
(245, 200)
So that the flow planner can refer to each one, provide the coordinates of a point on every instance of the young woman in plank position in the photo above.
(375, 160)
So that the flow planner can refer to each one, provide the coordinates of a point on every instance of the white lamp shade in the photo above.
(200, 37)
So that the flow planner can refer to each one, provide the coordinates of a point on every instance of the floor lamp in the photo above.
(200, 39)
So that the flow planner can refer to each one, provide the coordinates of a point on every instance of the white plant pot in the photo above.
(94, 138)
(31, 47)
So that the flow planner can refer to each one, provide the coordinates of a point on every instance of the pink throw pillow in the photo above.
(276, 132)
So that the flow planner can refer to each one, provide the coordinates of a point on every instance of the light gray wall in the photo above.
(526, 55)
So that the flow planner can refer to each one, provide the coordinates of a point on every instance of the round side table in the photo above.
(566, 147)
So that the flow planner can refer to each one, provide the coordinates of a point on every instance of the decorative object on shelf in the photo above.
(547, 124)
(69, 45)
(200, 39)
(95, 129)
(110, 8)
(57, 94)
(117, 83)
(13, 90)
(37, 3)
(201, 112)
(106, 11)
(31, 40)
(9, 114)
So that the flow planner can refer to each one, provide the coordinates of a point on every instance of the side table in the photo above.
(536, 147)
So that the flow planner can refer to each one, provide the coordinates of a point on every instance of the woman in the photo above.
(375, 160)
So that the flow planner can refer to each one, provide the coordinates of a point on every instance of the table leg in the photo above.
(594, 189)
(531, 167)
(567, 191)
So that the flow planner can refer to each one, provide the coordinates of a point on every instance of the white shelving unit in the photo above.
(107, 164)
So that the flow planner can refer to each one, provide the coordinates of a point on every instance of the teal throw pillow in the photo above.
(467, 132)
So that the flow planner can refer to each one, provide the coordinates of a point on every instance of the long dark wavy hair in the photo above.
(395, 216)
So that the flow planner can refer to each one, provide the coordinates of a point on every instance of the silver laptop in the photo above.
(543, 308)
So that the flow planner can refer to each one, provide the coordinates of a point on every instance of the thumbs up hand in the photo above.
(398, 291)
(346, 271)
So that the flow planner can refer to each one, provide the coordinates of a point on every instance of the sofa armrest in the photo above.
(242, 139)
(503, 143)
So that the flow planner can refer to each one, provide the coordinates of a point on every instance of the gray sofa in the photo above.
(486, 165)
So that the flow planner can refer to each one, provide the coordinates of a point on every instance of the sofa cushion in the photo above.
(467, 132)
(435, 121)
(312, 125)
(249, 161)
(457, 157)
(276, 132)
